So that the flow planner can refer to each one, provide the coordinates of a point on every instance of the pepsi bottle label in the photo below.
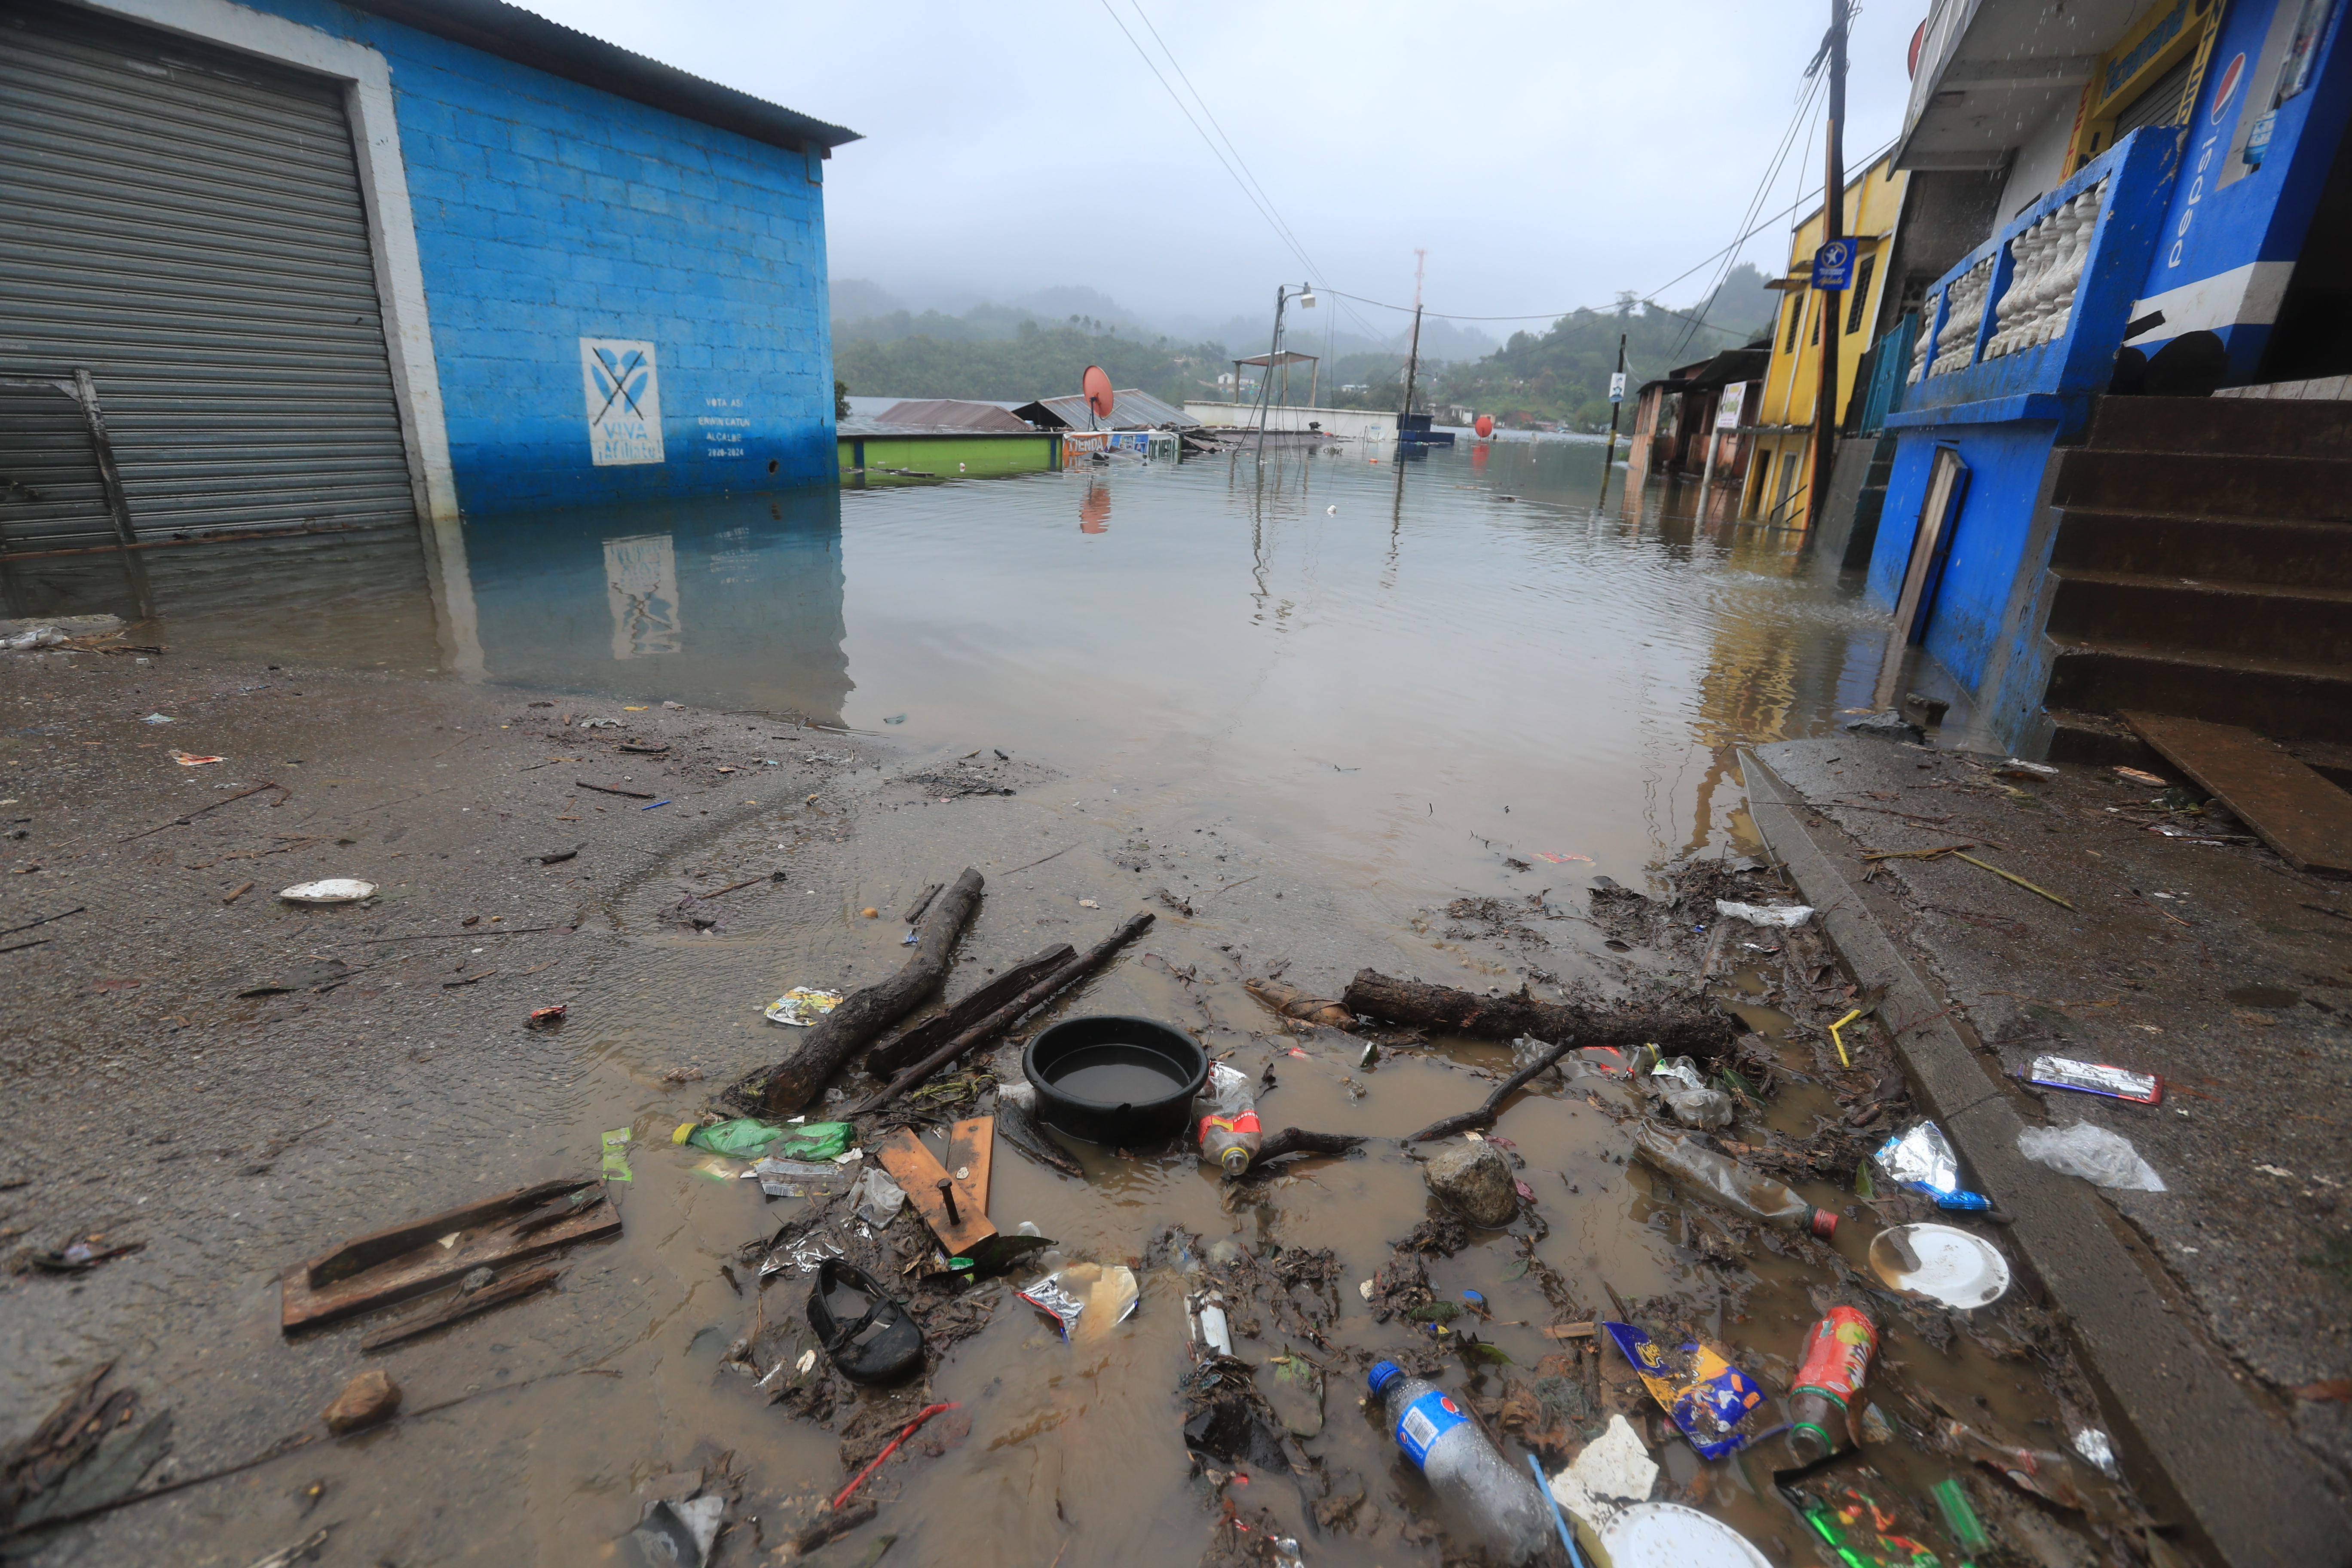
(1423, 1422)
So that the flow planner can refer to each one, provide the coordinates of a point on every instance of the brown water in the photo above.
(1319, 701)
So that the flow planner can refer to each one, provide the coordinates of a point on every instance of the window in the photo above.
(1796, 315)
(1861, 292)
(1817, 323)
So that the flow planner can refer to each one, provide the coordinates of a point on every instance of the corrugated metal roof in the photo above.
(1130, 409)
(514, 34)
(954, 413)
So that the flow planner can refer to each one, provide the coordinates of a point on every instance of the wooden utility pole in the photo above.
(1825, 421)
(1413, 355)
(1617, 386)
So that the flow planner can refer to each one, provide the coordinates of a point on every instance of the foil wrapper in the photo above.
(1922, 1160)
(2096, 1077)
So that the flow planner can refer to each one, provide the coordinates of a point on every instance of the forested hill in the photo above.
(1034, 361)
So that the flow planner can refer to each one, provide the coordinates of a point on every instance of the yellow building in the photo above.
(1778, 478)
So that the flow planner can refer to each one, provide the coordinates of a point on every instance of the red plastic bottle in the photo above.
(1837, 1360)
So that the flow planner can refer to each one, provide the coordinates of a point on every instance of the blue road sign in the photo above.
(1833, 265)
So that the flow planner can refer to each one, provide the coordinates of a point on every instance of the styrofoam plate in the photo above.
(1668, 1535)
(1956, 1267)
(334, 890)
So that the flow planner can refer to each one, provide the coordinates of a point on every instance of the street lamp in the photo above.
(1283, 294)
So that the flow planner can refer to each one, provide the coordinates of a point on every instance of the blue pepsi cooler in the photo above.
(1493, 1502)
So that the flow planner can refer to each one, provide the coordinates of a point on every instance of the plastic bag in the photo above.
(878, 1197)
(2093, 1153)
(1922, 1160)
(1700, 1107)
(747, 1138)
(1757, 914)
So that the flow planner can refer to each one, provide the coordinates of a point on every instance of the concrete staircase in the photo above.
(2203, 567)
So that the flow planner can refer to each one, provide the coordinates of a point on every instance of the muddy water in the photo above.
(1319, 700)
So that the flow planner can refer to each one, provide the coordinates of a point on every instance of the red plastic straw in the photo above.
(928, 1411)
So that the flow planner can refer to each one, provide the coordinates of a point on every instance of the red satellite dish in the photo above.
(1098, 391)
(1486, 426)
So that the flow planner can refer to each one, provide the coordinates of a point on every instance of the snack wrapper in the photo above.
(2096, 1077)
(1922, 1160)
(1718, 1407)
(1085, 1300)
(801, 1006)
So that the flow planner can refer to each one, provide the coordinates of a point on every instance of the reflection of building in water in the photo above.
(741, 598)
(641, 590)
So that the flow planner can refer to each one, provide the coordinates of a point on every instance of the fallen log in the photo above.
(895, 1049)
(1069, 973)
(867, 1011)
(1484, 1115)
(1292, 1003)
(1693, 1029)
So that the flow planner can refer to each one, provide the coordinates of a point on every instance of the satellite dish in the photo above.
(1099, 393)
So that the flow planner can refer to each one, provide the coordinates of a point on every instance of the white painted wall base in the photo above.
(1339, 424)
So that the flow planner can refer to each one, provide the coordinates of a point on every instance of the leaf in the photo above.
(1480, 1348)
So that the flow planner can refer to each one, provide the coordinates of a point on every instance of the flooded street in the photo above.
(1346, 713)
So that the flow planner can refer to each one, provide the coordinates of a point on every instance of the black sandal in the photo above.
(881, 1342)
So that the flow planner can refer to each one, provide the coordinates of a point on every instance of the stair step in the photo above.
(2271, 426)
(2099, 740)
(2205, 484)
(2280, 697)
(2308, 623)
(2230, 548)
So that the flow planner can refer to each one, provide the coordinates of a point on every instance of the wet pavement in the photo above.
(1357, 714)
(2186, 949)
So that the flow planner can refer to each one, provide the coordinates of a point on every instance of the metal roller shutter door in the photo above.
(186, 225)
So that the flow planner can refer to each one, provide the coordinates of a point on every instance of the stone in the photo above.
(1474, 1181)
(369, 1398)
(1888, 726)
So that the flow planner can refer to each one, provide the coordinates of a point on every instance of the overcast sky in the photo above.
(1546, 155)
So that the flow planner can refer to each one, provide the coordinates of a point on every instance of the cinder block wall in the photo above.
(546, 212)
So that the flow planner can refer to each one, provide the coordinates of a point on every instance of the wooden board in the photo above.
(497, 1293)
(970, 1146)
(911, 1166)
(404, 1261)
(2297, 813)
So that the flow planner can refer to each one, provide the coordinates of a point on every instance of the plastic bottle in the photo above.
(1495, 1501)
(1723, 1180)
(1837, 1359)
(1229, 1131)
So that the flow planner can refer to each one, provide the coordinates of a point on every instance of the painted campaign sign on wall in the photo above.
(624, 395)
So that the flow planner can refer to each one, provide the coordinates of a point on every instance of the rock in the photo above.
(1475, 1181)
(1888, 726)
(369, 1398)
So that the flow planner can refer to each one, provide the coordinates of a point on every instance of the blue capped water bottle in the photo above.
(1499, 1505)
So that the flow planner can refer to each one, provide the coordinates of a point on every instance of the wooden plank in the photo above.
(911, 1166)
(505, 1230)
(1567, 1331)
(893, 1051)
(498, 1292)
(2297, 813)
(971, 1146)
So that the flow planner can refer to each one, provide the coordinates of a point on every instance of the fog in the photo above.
(1547, 156)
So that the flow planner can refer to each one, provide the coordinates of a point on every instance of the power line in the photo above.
(1763, 189)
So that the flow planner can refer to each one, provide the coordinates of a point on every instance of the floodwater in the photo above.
(1366, 686)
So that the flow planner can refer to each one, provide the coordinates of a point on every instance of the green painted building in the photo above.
(924, 457)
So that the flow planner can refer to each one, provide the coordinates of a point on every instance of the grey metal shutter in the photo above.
(186, 225)
(2160, 104)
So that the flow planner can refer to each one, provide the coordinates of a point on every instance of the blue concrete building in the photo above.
(318, 266)
(2126, 409)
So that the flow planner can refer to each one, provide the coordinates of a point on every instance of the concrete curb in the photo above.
(2192, 1434)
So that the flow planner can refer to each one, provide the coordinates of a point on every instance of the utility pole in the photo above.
(1825, 421)
(1413, 355)
(1616, 403)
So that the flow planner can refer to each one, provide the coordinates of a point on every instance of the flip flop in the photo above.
(867, 1335)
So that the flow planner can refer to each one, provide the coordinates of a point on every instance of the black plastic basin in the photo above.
(1125, 1083)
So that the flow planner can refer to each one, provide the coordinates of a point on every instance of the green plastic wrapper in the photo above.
(747, 1139)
